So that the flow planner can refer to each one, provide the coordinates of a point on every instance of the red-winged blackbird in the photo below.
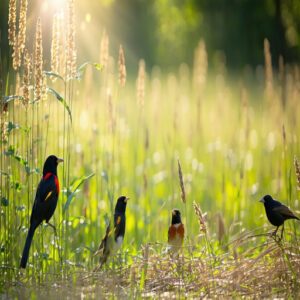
(176, 231)
(114, 237)
(45, 202)
(276, 212)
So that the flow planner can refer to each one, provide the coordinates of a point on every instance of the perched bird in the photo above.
(176, 231)
(114, 237)
(277, 213)
(45, 202)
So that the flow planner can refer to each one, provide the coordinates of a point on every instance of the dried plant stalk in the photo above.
(111, 113)
(122, 67)
(22, 26)
(140, 84)
(12, 17)
(71, 55)
(55, 45)
(26, 78)
(297, 169)
(201, 218)
(183, 195)
(39, 81)
(200, 66)
(268, 69)
(104, 49)
(61, 45)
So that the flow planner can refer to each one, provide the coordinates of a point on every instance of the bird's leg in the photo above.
(54, 228)
(275, 231)
(282, 231)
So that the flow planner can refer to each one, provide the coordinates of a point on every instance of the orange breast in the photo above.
(176, 234)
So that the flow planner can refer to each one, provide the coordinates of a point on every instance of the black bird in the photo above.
(45, 202)
(114, 237)
(276, 212)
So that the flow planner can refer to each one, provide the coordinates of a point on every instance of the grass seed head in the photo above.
(55, 45)
(268, 69)
(104, 49)
(71, 52)
(12, 18)
(201, 218)
(122, 67)
(297, 170)
(200, 66)
(140, 84)
(39, 81)
(22, 26)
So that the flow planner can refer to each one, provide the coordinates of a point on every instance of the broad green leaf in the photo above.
(71, 194)
(52, 74)
(7, 99)
(60, 99)
(81, 69)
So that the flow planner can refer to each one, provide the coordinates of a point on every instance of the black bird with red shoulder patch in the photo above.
(176, 231)
(45, 202)
(113, 239)
(277, 213)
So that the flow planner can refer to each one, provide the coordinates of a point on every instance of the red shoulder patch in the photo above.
(48, 175)
(57, 184)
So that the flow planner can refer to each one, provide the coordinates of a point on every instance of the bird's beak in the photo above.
(262, 200)
(126, 199)
(59, 160)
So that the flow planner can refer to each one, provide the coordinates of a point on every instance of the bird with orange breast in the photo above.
(176, 232)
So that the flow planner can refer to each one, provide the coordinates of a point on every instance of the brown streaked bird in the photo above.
(176, 231)
(277, 213)
(113, 238)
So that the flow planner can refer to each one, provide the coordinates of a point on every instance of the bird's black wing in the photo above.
(285, 211)
(45, 199)
(101, 248)
(119, 224)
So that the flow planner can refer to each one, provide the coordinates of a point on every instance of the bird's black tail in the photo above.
(27, 246)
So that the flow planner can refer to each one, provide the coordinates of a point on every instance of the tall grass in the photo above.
(235, 140)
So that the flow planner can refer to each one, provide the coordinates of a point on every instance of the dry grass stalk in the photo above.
(16, 55)
(140, 84)
(200, 66)
(26, 78)
(282, 79)
(20, 37)
(183, 195)
(104, 50)
(284, 136)
(221, 228)
(4, 131)
(39, 81)
(268, 69)
(55, 45)
(122, 67)
(61, 44)
(12, 18)
(297, 169)
(111, 113)
(22, 26)
(201, 218)
(71, 55)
